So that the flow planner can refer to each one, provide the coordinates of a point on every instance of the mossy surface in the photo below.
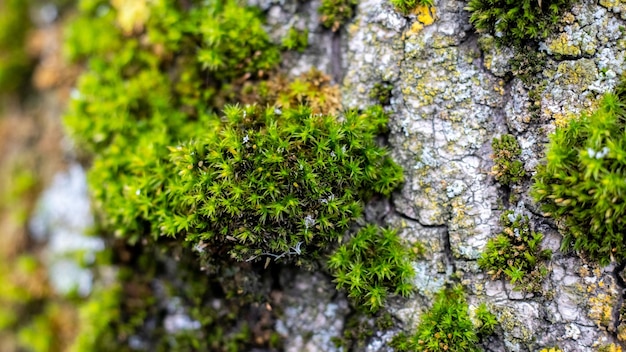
(381, 93)
(516, 21)
(312, 89)
(280, 184)
(177, 170)
(158, 304)
(372, 264)
(485, 320)
(446, 326)
(516, 254)
(405, 7)
(296, 40)
(508, 168)
(583, 180)
(335, 13)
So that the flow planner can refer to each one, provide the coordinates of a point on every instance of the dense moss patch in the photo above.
(508, 168)
(334, 13)
(446, 326)
(516, 254)
(583, 181)
(516, 20)
(372, 264)
(274, 183)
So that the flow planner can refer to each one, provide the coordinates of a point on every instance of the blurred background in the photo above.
(45, 252)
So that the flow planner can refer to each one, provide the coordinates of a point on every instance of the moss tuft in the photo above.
(275, 183)
(372, 264)
(381, 92)
(445, 327)
(296, 40)
(405, 7)
(335, 13)
(583, 180)
(507, 167)
(516, 20)
(515, 253)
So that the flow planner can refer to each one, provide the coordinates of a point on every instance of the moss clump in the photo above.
(372, 264)
(15, 62)
(407, 6)
(334, 13)
(485, 320)
(168, 89)
(515, 253)
(296, 40)
(381, 92)
(276, 183)
(507, 167)
(233, 41)
(582, 183)
(445, 327)
(516, 20)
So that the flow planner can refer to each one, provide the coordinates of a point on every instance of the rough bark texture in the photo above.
(453, 92)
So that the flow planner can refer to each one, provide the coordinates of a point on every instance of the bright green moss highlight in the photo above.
(516, 254)
(407, 6)
(233, 41)
(516, 20)
(372, 264)
(276, 183)
(335, 13)
(129, 107)
(486, 321)
(296, 40)
(256, 183)
(234, 188)
(507, 167)
(583, 181)
(15, 63)
(444, 327)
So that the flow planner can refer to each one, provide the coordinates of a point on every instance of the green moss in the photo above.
(486, 321)
(372, 264)
(281, 180)
(507, 167)
(445, 327)
(334, 13)
(583, 180)
(407, 6)
(381, 92)
(514, 20)
(296, 40)
(149, 289)
(233, 42)
(516, 254)
(299, 179)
